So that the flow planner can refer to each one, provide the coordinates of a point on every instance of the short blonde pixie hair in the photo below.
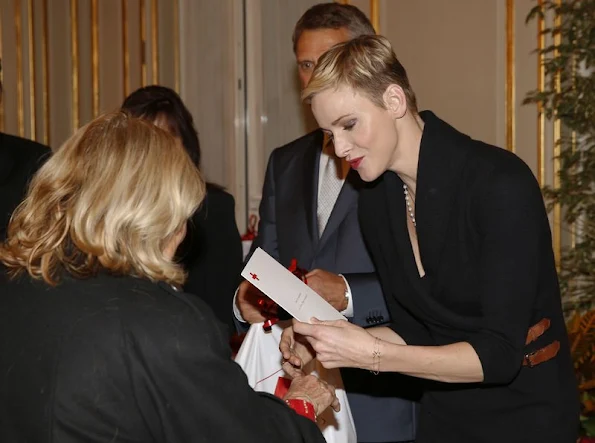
(366, 64)
(111, 197)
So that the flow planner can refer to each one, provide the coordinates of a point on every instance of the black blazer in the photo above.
(485, 245)
(19, 160)
(121, 359)
(212, 253)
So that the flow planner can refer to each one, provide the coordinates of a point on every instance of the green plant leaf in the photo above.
(569, 95)
(588, 424)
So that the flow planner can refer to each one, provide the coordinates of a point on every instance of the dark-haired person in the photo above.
(211, 253)
(19, 159)
(309, 212)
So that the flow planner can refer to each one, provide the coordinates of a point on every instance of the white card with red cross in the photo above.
(288, 291)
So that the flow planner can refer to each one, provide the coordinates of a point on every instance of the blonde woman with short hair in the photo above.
(460, 238)
(96, 342)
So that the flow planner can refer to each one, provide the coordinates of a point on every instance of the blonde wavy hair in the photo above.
(366, 64)
(112, 197)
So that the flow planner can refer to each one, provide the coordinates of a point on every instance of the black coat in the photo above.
(485, 245)
(212, 254)
(19, 160)
(121, 359)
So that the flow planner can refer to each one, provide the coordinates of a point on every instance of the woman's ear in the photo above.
(395, 100)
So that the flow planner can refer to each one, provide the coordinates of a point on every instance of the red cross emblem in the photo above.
(254, 276)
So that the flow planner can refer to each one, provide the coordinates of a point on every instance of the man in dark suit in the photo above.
(309, 213)
(19, 160)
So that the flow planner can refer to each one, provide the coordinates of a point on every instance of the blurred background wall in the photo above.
(65, 61)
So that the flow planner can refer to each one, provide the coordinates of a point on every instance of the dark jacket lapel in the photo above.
(441, 160)
(295, 180)
(395, 203)
(423, 305)
(310, 183)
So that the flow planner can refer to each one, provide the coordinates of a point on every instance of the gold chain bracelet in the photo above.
(376, 357)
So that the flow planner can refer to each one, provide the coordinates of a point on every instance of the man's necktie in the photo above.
(328, 191)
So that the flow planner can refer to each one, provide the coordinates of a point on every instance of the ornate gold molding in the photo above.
(155, 41)
(540, 87)
(510, 76)
(177, 45)
(143, 42)
(125, 50)
(95, 56)
(18, 24)
(375, 15)
(557, 228)
(45, 57)
(74, 62)
(31, 54)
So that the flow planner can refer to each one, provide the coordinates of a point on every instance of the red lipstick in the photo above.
(355, 162)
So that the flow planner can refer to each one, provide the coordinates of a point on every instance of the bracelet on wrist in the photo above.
(376, 357)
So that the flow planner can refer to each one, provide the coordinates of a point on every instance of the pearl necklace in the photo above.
(408, 200)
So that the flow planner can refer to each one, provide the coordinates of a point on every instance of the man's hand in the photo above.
(329, 286)
(247, 301)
